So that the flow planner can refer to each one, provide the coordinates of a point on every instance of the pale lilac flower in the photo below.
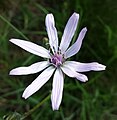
(56, 61)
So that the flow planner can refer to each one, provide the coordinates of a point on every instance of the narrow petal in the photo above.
(57, 90)
(85, 67)
(69, 71)
(38, 82)
(34, 68)
(31, 47)
(77, 45)
(69, 32)
(52, 32)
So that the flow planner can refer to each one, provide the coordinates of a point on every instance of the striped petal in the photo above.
(77, 45)
(69, 32)
(57, 90)
(34, 68)
(52, 32)
(31, 47)
(38, 82)
(69, 71)
(85, 67)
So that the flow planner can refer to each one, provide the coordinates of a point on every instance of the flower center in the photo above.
(57, 60)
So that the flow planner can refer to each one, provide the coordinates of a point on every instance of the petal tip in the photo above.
(76, 14)
(49, 15)
(103, 67)
(100, 67)
(82, 78)
(54, 108)
(12, 39)
(24, 96)
(85, 80)
(11, 72)
(85, 28)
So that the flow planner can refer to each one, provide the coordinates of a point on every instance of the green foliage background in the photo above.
(24, 19)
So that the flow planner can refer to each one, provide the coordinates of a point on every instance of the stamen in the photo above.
(57, 59)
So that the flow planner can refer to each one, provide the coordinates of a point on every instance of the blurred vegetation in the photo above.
(24, 19)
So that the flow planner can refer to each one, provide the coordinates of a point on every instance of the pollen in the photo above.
(57, 60)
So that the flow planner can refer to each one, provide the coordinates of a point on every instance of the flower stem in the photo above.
(34, 108)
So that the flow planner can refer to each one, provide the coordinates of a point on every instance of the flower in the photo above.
(56, 61)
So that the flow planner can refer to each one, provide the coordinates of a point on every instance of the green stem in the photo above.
(12, 26)
(34, 108)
